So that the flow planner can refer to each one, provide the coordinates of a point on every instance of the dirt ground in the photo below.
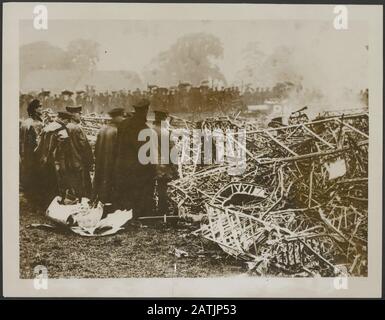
(138, 251)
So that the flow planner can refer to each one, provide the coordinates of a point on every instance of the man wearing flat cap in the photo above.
(105, 157)
(134, 180)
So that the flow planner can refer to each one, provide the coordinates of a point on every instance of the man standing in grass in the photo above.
(105, 157)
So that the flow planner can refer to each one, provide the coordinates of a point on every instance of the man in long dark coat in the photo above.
(49, 152)
(164, 170)
(105, 157)
(79, 159)
(30, 130)
(134, 180)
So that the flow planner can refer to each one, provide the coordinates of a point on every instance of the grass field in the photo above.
(138, 251)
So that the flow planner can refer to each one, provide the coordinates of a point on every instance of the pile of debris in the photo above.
(301, 206)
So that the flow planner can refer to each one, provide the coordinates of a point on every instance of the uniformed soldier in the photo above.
(50, 153)
(80, 156)
(164, 170)
(30, 130)
(134, 180)
(105, 157)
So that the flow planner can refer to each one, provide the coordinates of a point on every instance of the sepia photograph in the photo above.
(219, 146)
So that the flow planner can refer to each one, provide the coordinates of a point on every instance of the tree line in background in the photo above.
(190, 59)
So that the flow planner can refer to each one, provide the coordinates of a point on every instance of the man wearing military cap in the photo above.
(75, 111)
(134, 180)
(80, 156)
(105, 157)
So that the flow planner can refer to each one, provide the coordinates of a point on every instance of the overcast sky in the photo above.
(325, 54)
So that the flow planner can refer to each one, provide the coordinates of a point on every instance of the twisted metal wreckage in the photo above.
(301, 206)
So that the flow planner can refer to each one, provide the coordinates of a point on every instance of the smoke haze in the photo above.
(330, 64)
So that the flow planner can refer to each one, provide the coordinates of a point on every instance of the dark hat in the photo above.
(142, 104)
(64, 114)
(116, 112)
(74, 109)
(160, 115)
(67, 92)
(80, 92)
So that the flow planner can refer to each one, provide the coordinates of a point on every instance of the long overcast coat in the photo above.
(105, 158)
(78, 161)
(134, 181)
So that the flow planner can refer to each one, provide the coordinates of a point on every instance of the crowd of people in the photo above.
(181, 98)
(56, 158)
